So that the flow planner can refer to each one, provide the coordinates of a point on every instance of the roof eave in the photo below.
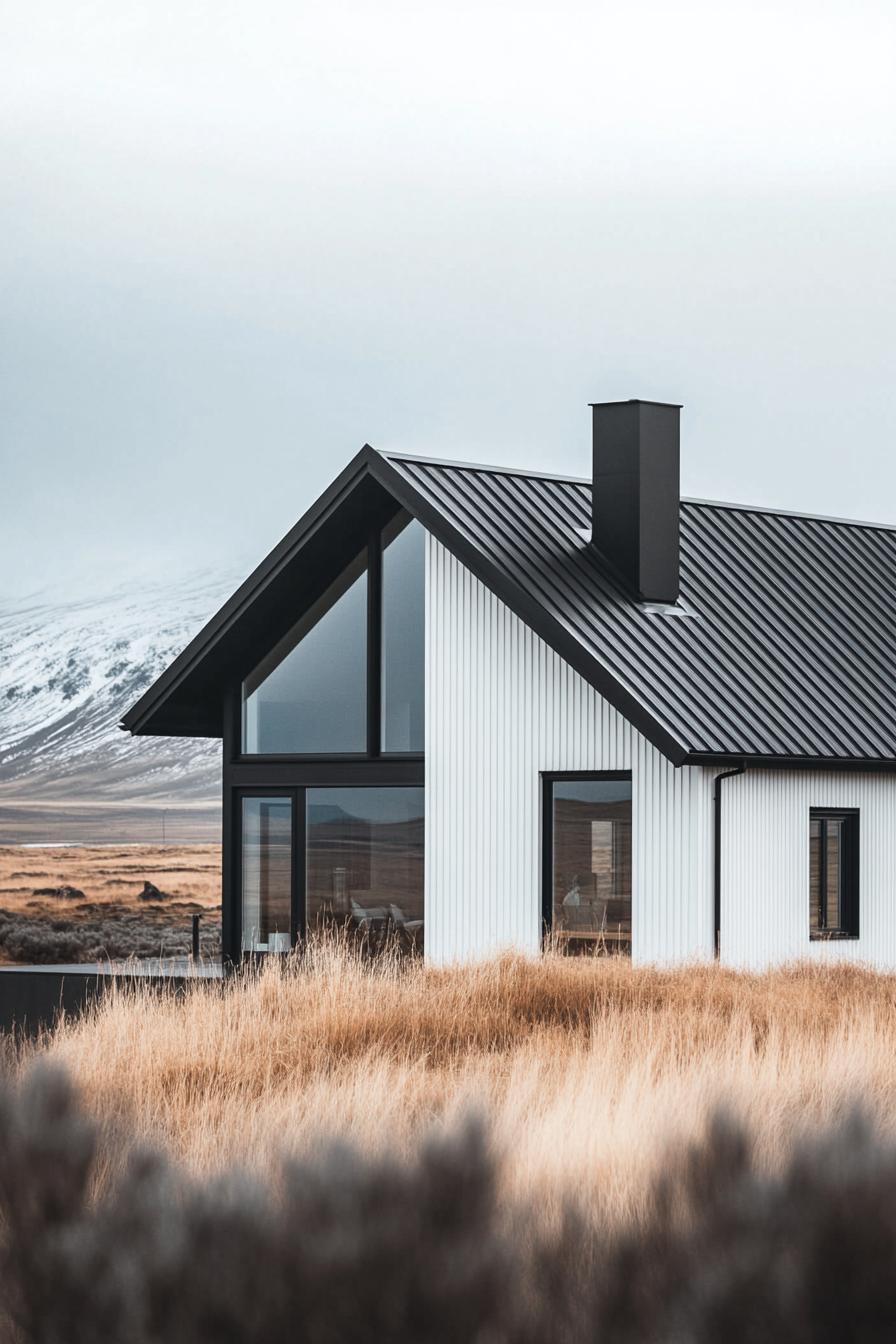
(870, 764)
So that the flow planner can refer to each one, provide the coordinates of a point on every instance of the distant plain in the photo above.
(67, 822)
(88, 902)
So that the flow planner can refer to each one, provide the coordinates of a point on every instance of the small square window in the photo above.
(833, 874)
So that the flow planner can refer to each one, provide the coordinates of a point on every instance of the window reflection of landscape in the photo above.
(591, 864)
(267, 874)
(364, 861)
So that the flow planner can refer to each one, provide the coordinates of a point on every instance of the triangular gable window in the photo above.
(348, 678)
(309, 695)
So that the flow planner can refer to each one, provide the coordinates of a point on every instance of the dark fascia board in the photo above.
(852, 764)
(137, 717)
(369, 462)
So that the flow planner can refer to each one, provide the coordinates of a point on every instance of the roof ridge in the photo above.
(494, 469)
(787, 513)
(531, 473)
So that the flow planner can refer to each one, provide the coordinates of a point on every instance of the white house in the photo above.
(470, 706)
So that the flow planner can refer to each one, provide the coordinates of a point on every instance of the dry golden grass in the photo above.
(585, 1068)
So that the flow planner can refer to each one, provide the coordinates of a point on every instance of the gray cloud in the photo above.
(240, 240)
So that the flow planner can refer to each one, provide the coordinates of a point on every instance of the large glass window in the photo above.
(590, 837)
(266, 874)
(309, 696)
(833, 874)
(403, 639)
(364, 862)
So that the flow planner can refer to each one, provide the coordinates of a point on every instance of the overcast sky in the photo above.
(239, 239)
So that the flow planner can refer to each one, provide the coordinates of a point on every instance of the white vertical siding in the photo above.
(500, 708)
(765, 866)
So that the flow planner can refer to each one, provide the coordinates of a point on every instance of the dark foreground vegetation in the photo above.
(90, 932)
(343, 1248)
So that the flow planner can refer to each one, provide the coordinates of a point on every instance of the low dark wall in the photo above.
(32, 999)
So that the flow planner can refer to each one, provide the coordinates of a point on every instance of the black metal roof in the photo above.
(781, 647)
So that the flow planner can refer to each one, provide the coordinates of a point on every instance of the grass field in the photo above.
(602, 1195)
(584, 1069)
(80, 903)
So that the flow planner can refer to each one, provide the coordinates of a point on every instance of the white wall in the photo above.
(501, 707)
(765, 866)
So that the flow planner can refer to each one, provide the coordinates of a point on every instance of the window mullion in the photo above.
(823, 874)
(299, 875)
(374, 644)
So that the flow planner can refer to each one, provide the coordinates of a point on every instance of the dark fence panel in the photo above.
(33, 997)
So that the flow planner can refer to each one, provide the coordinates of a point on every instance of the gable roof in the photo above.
(781, 648)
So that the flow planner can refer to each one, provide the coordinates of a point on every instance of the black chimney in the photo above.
(634, 498)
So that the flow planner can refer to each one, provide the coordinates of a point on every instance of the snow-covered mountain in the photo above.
(68, 671)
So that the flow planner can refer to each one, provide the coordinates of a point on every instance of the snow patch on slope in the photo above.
(69, 670)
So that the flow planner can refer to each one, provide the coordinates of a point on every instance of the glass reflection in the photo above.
(309, 696)
(403, 635)
(266, 874)
(592, 864)
(364, 862)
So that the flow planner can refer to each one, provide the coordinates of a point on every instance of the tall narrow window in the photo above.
(403, 639)
(833, 874)
(309, 695)
(589, 825)
(266, 874)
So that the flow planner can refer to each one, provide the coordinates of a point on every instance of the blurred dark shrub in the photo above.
(347, 1249)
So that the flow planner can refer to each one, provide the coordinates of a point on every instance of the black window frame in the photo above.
(296, 793)
(374, 750)
(848, 928)
(285, 774)
(548, 780)
(235, 951)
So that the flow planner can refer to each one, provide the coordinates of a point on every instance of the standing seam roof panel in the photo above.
(819, 624)
(792, 641)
